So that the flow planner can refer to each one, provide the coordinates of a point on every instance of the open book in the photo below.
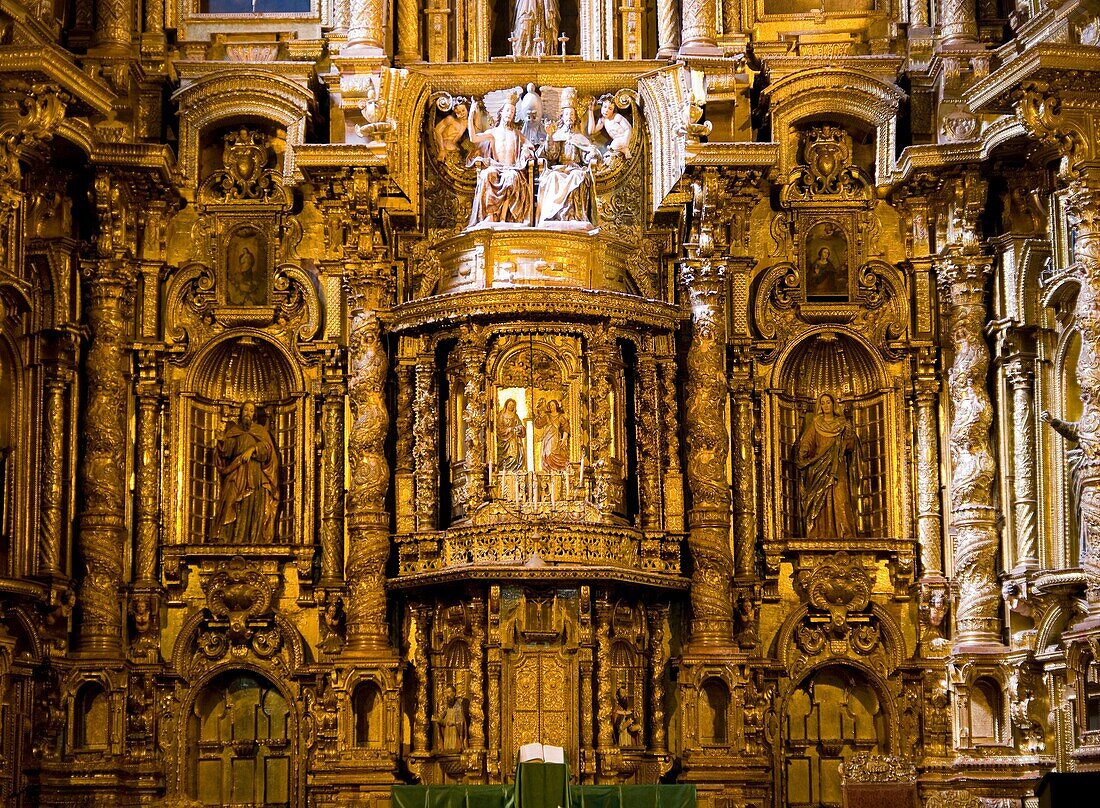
(537, 753)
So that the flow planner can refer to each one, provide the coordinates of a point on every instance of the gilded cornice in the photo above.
(998, 91)
(511, 303)
(884, 67)
(52, 64)
(734, 155)
(558, 572)
(593, 78)
(317, 159)
(155, 157)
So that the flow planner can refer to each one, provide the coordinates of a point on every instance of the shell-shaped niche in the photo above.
(243, 369)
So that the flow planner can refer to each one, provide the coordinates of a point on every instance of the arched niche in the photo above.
(367, 715)
(91, 718)
(713, 719)
(832, 713)
(835, 363)
(238, 370)
(986, 705)
(241, 742)
(1068, 407)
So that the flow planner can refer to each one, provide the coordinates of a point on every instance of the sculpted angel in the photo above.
(613, 124)
(827, 458)
(503, 192)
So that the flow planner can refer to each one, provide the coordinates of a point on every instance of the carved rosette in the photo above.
(707, 449)
(368, 538)
(102, 534)
(972, 462)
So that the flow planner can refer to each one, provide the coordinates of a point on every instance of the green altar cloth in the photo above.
(504, 796)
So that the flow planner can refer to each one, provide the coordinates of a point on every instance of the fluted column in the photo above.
(1025, 502)
(53, 471)
(973, 517)
(367, 520)
(958, 20)
(102, 531)
(366, 27)
(332, 473)
(707, 449)
(668, 28)
(699, 28)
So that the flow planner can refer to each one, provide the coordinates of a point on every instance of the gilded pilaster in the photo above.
(147, 469)
(436, 18)
(53, 471)
(744, 471)
(477, 674)
(425, 443)
(102, 476)
(670, 428)
(605, 466)
(421, 630)
(403, 478)
(332, 473)
(929, 508)
(647, 404)
(1021, 379)
(474, 416)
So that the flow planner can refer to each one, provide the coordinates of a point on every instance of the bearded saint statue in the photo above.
(248, 466)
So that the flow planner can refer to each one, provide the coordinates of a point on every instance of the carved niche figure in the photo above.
(503, 192)
(1075, 464)
(827, 457)
(628, 730)
(566, 188)
(511, 439)
(248, 465)
(536, 28)
(448, 131)
(615, 125)
(552, 427)
(451, 722)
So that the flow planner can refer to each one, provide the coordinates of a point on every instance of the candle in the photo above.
(530, 445)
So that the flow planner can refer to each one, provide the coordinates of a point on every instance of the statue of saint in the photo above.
(613, 124)
(248, 466)
(511, 439)
(503, 193)
(536, 28)
(451, 723)
(628, 730)
(1075, 464)
(553, 435)
(566, 188)
(827, 456)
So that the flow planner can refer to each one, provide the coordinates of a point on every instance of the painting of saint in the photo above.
(826, 263)
(511, 450)
(245, 270)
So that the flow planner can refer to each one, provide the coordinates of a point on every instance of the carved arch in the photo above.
(220, 96)
(183, 652)
(835, 92)
(893, 639)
